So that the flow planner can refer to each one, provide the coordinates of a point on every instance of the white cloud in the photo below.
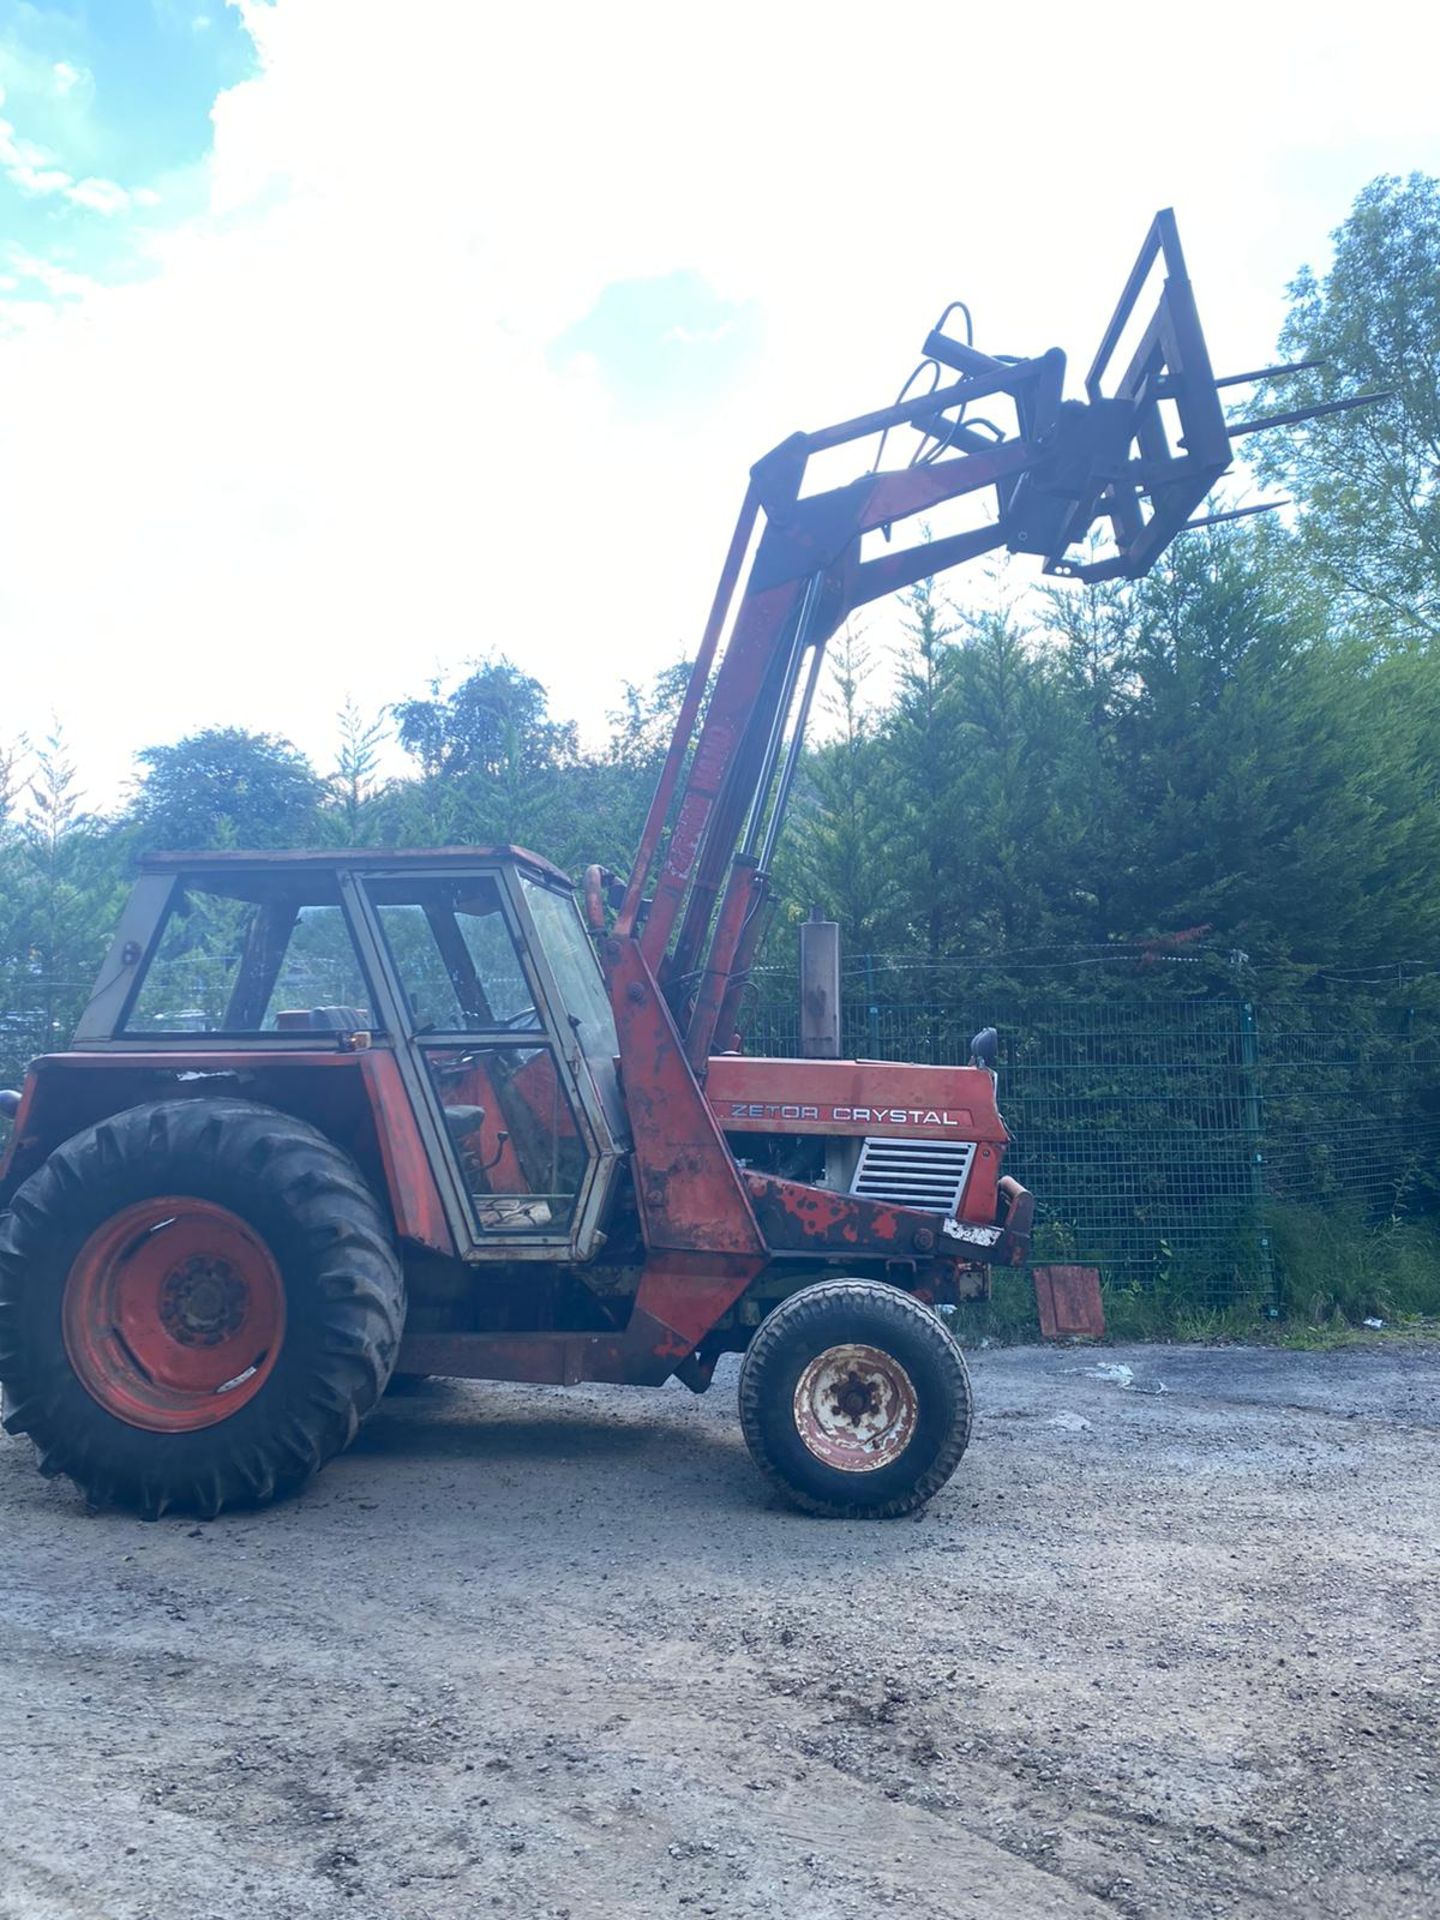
(684, 336)
(61, 283)
(67, 78)
(38, 180)
(100, 196)
(324, 449)
(33, 169)
(16, 153)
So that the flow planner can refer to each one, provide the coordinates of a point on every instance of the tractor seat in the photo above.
(322, 1020)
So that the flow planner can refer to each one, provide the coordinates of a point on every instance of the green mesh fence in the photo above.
(1158, 1135)
(1156, 1130)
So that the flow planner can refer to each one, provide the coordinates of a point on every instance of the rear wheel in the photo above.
(854, 1400)
(199, 1302)
(403, 1384)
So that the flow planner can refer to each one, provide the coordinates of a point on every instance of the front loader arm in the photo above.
(1062, 471)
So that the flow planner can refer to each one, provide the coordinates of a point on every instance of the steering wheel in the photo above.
(522, 1017)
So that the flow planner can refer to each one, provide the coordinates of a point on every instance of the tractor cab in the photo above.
(469, 966)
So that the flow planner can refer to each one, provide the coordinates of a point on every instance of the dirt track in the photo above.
(1166, 1653)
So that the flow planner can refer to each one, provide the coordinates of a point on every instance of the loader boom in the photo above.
(1136, 456)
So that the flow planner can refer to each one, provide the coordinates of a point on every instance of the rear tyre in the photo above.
(854, 1400)
(200, 1300)
(402, 1385)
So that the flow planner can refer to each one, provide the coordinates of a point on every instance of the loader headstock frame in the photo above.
(1170, 362)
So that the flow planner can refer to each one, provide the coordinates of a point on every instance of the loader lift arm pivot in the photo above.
(1068, 468)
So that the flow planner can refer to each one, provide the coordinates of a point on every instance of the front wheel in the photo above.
(854, 1400)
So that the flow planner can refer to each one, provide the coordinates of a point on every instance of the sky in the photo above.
(345, 342)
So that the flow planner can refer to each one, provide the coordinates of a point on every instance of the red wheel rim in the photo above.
(855, 1408)
(174, 1314)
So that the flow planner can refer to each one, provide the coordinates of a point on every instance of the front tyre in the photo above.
(199, 1302)
(854, 1400)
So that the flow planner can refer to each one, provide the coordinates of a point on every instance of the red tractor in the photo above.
(330, 1115)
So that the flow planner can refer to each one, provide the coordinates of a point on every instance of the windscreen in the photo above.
(582, 991)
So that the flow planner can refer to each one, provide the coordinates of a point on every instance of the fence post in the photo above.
(819, 988)
(872, 1012)
(1250, 1092)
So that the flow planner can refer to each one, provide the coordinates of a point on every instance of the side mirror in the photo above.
(9, 1104)
(985, 1049)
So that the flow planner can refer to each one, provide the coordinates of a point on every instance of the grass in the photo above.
(1332, 1272)
(1418, 1327)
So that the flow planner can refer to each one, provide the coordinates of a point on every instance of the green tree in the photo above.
(839, 848)
(1021, 792)
(224, 787)
(986, 759)
(611, 790)
(924, 739)
(493, 723)
(61, 885)
(642, 725)
(1369, 481)
(353, 792)
(493, 765)
(11, 753)
(1273, 778)
(1086, 632)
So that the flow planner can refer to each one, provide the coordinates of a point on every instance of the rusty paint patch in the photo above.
(1069, 1303)
(691, 1196)
(817, 1219)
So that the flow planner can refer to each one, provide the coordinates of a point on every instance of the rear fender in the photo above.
(356, 1099)
(19, 1131)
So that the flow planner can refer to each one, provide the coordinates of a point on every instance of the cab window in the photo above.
(244, 956)
(455, 958)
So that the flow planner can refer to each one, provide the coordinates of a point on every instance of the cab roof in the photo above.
(329, 859)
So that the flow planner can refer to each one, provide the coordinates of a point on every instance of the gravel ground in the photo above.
(1166, 1646)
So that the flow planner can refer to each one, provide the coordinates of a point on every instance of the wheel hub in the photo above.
(202, 1302)
(855, 1408)
(855, 1399)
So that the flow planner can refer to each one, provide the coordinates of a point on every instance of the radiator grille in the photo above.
(914, 1173)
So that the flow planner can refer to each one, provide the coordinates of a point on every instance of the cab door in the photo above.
(474, 1012)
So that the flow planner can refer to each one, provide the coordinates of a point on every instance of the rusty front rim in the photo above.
(174, 1314)
(855, 1408)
